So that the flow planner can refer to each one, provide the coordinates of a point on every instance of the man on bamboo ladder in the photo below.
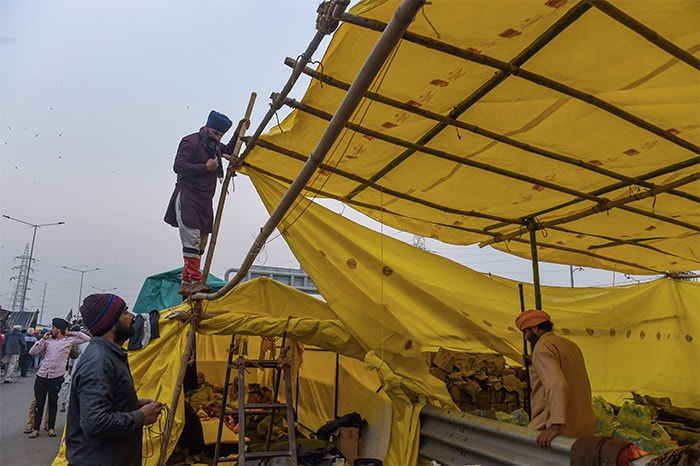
(561, 392)
(198, 165)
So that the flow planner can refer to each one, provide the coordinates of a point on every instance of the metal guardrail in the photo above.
(457, 438)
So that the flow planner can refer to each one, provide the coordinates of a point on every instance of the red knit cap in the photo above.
(531, 318)
(101, 311)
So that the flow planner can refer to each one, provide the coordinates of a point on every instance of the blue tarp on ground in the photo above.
(160, 291)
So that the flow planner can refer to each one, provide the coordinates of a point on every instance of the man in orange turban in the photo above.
(561, 393)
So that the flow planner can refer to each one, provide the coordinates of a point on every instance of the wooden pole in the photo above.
(368, 72)
(230, 172)
(196, 314)
(532, 227)
(165, 439)
(528, 388)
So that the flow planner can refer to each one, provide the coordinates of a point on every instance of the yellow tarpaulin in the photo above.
(383, 307)
(396, 299)
(578, 119)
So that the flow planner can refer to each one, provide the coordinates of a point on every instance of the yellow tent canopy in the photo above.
(579, 120)
(388, 303)
(575, 121)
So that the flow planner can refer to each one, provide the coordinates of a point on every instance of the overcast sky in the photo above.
(94, 99)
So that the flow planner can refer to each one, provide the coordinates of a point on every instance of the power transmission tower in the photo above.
(23, 278)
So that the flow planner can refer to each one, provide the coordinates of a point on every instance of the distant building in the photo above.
(296, 278)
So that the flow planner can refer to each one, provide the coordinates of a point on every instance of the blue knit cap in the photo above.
(219, 121)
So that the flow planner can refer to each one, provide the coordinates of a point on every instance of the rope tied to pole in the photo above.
(329, 13)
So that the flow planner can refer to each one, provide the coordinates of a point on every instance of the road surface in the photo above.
(17, 449)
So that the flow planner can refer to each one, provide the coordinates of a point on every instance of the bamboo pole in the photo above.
(649, 34)
(165, 439)
(494, 236)
(230, 172)
(387, 191)
(337, 10)
(619, 204)
(532, 228)
(526, 359)
(452, 121)
(600, 202)
(375, 60)
(514, 69)
(196, 313)
(535, 46)
(599, 257)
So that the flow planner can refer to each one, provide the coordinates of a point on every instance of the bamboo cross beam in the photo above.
(502, 138)
(514, 69)
(649, 34)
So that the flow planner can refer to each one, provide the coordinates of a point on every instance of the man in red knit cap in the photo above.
(105, 418)
(197, 165)
(561, 391)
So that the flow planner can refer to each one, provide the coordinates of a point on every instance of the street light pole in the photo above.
(31, 253)
(573, 269)
(82, 273)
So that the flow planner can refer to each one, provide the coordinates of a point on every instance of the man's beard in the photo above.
(533, 340)
(123, 332)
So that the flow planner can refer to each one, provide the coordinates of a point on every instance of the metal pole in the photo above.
(571, 272)
(82, 273)
(375, 61)
(29, 269)
(43, 301)
(31, 253)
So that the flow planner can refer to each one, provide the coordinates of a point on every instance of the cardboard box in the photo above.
(347, 440)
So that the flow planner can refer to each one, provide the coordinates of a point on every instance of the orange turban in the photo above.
(531, 318)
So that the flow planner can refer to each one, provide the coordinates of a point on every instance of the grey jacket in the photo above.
(104, 424)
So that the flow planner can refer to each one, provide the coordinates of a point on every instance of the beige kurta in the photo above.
(561, 392)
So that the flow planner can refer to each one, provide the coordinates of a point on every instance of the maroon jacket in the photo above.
(195, 184)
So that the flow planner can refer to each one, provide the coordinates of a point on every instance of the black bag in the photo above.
(349, 420)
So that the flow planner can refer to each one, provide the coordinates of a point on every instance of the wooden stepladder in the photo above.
(281, 368)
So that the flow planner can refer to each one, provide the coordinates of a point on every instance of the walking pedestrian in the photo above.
(55, 345)
(12, 348)
(26, 359)
(74, 357)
